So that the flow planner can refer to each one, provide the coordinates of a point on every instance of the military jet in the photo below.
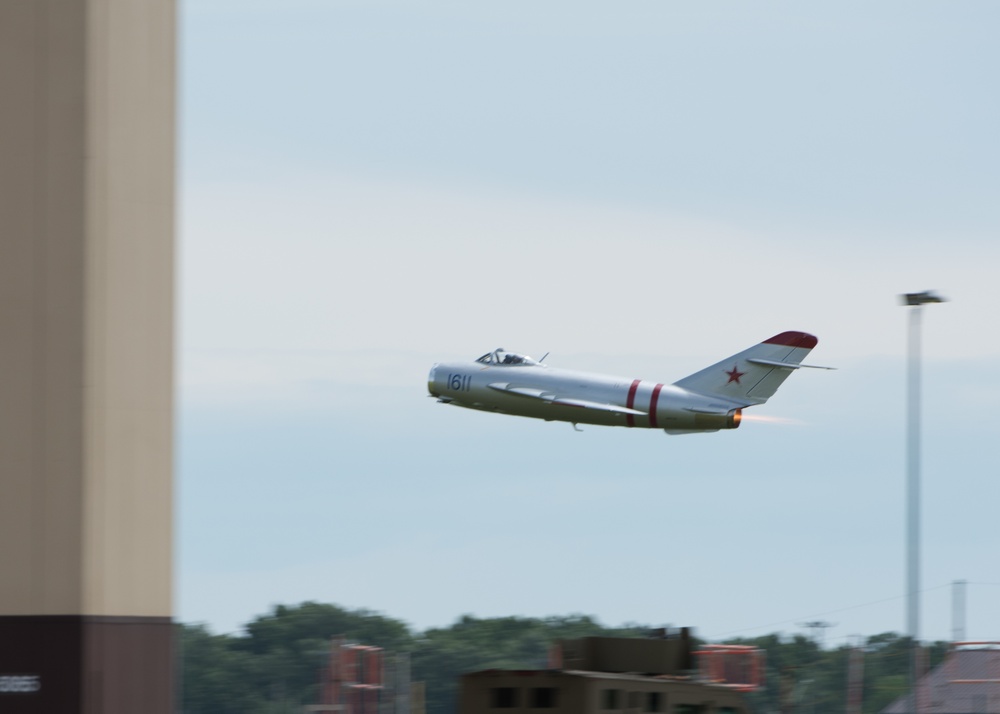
(706, 401)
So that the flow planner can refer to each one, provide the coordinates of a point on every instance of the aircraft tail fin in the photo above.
(754, 375)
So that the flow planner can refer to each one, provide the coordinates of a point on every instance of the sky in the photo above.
(642, 189)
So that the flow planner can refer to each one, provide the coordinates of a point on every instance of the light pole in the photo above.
(917, 302)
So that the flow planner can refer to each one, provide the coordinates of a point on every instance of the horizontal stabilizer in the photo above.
(787, 365)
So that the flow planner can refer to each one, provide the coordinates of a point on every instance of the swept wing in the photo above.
(550, 397)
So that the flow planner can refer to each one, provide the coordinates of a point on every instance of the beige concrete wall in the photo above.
(86, 306)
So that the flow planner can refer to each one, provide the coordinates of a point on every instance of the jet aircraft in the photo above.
(706, 401)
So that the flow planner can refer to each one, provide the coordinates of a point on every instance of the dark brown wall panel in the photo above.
(86, 665)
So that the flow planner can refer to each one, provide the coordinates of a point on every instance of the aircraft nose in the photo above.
(431, 378)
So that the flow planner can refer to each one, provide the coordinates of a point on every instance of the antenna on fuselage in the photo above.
(543, 357)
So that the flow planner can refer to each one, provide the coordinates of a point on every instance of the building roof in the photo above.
(591, 674)
(966, 682)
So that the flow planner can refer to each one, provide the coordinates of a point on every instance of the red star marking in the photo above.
(735, 375)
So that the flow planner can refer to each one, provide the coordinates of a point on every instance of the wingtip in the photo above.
(793, 339)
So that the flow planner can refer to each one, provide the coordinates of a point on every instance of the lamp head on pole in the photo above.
(924, 298)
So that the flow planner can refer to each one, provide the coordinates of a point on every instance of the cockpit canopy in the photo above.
(500, 357)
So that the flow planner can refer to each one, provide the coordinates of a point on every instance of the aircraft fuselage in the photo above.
(656, 405)
(708, 400)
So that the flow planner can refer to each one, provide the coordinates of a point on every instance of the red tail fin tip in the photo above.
(793, 339)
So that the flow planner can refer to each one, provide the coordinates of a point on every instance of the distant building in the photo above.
(605, 675)
(966, 682)
(362, 679)
(583, 692)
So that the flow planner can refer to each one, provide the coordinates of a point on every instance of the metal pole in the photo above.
(917, 302)
(913, 500)
(855, 677)
(958, 611)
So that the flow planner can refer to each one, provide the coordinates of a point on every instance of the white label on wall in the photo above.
(20, 683)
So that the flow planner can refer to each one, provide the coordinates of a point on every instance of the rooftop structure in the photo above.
(609, 675)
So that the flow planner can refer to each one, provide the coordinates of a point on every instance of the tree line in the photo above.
(273, 666)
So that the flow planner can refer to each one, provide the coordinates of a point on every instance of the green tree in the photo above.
(214, 677)
(291, 645)
(273, 667)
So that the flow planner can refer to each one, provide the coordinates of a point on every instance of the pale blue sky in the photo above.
(369, 187)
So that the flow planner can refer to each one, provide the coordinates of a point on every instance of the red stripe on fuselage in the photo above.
(630, 418)
(652, 406)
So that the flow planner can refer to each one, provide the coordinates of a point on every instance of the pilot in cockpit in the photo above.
(500, 357)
